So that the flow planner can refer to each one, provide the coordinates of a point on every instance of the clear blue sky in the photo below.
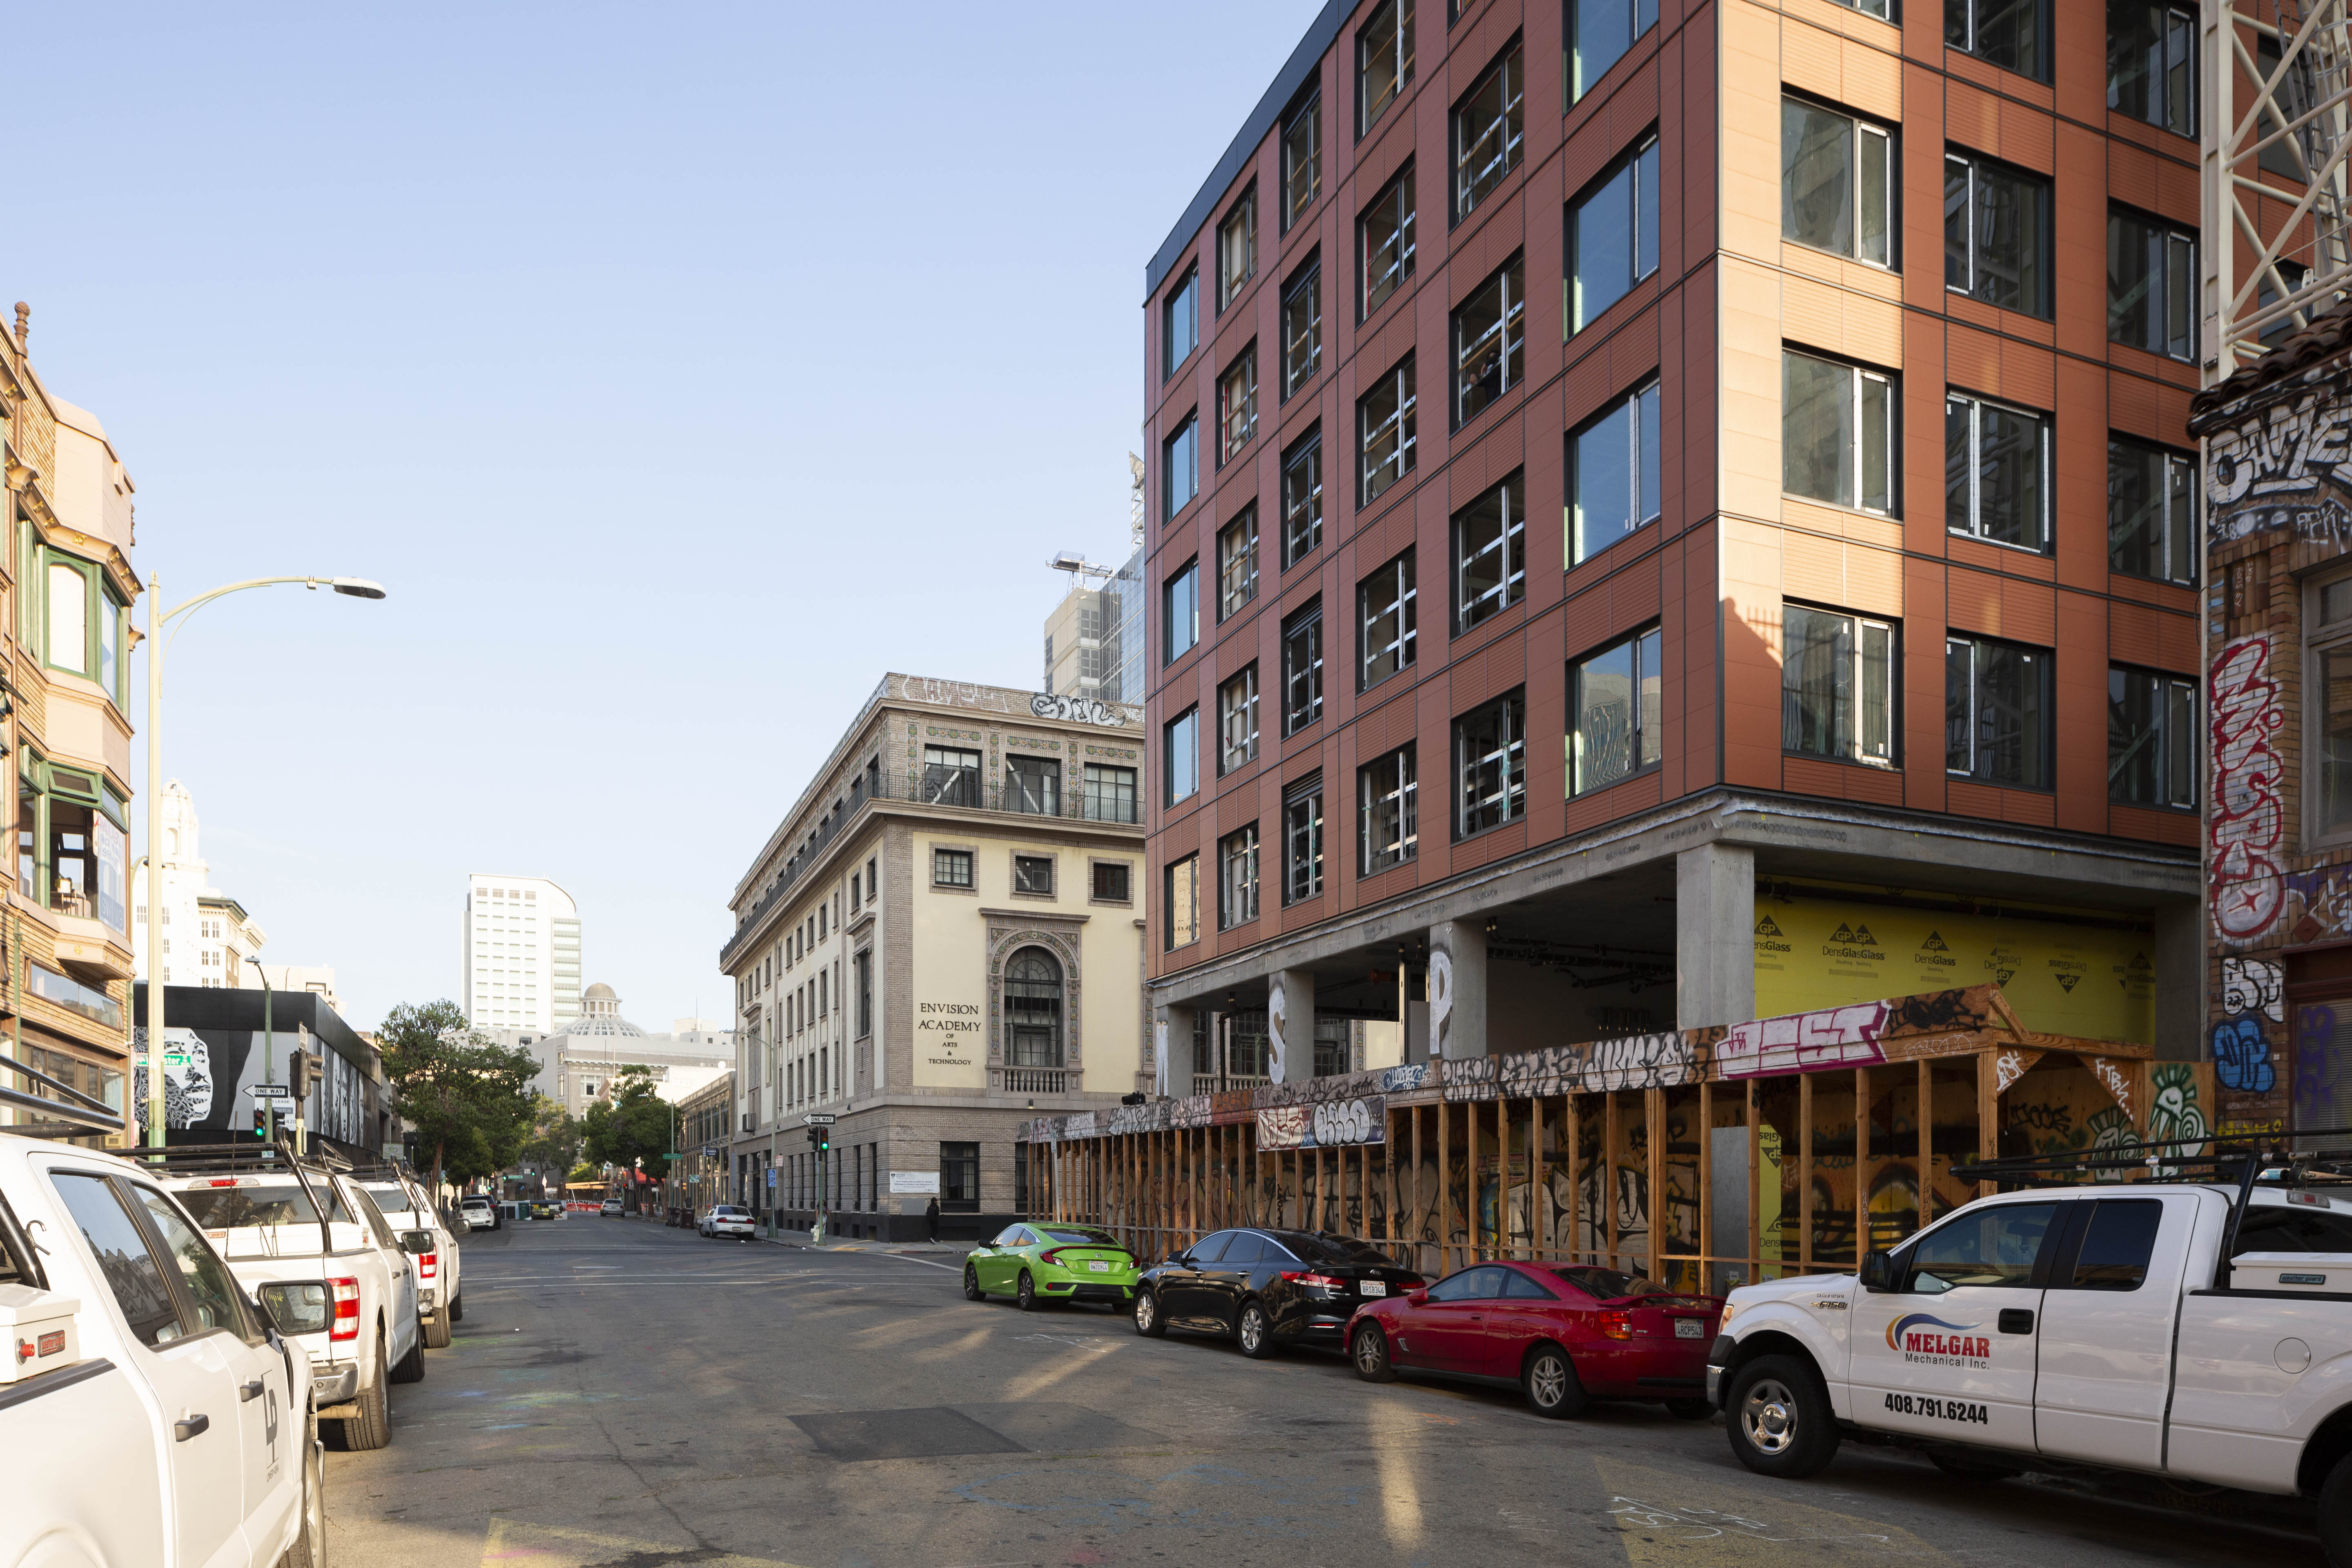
(677, 369)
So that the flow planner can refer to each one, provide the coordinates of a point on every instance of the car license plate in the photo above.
(1099, 1267)
(1688, 1328)
(1374, 1288)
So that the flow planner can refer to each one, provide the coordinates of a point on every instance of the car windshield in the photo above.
(1610, 1284)
(1070, 1236)
(1309, 1248)
(262, 1203)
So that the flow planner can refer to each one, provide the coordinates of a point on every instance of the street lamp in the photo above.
(352, 587)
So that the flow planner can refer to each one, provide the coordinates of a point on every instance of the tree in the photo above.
(632, 1125)
(468, 1097)
(556, 1136)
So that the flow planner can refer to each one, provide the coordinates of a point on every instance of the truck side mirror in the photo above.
(1878, 1272)
(417, 1242)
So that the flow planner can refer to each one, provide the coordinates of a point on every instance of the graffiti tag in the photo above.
(1805, 1042)
(2242, 1056)
(2247, 820)
(2253, 986)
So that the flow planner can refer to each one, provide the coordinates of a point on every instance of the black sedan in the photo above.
(1266, 1288)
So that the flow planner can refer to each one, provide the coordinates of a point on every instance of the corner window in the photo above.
(1237, 563)
(1837, 433)
(2152, 739)
(1111, 879)
(1612, 234)
(1237, 722)
(1302, 328)
(1302, 162)
(1237, 878)
(1996, 478)
(950, 776)
(1998, 711)
(1302, 840)
(1616, 722)
(1997, 234)
(1179, 613)
(1613, 475)
(1383, 61)
(1302, 498)
(1599, 33)
(2151, 510)
(1490, 552)
(1181, 907)
(2151, 285)
(951, 868)
(1033, 874)
(2152, 64)
(1384, 425)
(1302, 668)
(2011, 34)
(68, 594)
(1386, 811)
(1384, 241)
(1237, 249)
(1180, 467)
(1487, 132)
(1237, 406)
(1179, 324)
(1490, 764)
(2328, 704)
(1837, 686)
(1837, 182)
(1490, 341)
(1184, 751)
(1384, 622)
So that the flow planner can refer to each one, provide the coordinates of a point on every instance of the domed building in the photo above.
(595, 1047)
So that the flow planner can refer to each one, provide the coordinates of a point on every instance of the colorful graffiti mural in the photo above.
(2247, 818)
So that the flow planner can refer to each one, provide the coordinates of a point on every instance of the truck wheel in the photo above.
(372, 1427)
(457, 1309)
(2335, 1515)
(436, 1331)
(410, 1368)
(309, 1548)
(1778, 1418)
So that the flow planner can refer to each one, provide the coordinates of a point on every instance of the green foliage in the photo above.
(583, 1172)
(556, 1137)
(632, 1125)
(468, 1097)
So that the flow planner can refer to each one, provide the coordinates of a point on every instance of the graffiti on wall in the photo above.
(2266, 470)
(1326, 1124)
(2242, 1056)
(1659, 1060)
(2247, 819)
(1804, 1042)
(2253, 986)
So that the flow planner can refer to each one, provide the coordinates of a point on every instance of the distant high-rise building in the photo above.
(522, 954)
(1093, 638)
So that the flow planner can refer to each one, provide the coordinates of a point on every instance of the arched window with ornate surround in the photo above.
(1032, 1009)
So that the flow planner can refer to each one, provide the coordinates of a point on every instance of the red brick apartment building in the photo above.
(1667, 511)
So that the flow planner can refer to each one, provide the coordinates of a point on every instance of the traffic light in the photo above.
(298, 1073)
(819, 1138)
(261, 1122)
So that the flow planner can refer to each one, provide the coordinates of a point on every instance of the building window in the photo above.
(1180, 467)
(2327, 681)
(1996, 234)
(1837, 182)
(1237, 249)
(2151, 64)
(1182, 918)
(1179, 613)
(1383, 61)
(1613, 475)
(1384, 622)
(1490, 552)
(1302, 668)
(1612, 234)
(1386, 811)
(1184, 755)
(1384, 240)
(862, 971)
(1599, 33)
(1237, 563)
(2006, 33)
(1490, 763)
(1384, 425)
(1837, 686)
(1490, 341)
(951, 868)
(1302, 327)
(1837, 433)
(1998, 711)
(1302, 162)
(2151, 285)
(1032, 1009)
(1179, 324)
(1996, 478)
(1111, 882)
(950, 776)
(960, 1178)
(1302, 498)
(1302, 840)
(1033, 874)
(1487, 133)
(1110, 793)
(2151, 510)
(1237, 406)
(1237, 720)
(2152, 739)
(1617, 724)
(1237, 878)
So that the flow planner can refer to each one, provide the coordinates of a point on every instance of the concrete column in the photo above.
(1714, 936)
(1458, 989)
(2178, 955)
(1290, 1021)
(1171, 1050)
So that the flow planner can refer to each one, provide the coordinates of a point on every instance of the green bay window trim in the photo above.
(1385, 421)
(2151, 510)
(1179, 324)
(76, 617)
(1997, 234)
(1302, 160)
(1837, 433)
(1385, 613)
(1237, 722)
(2151, 285)
(2152, 64)
(1490, 341)
(1302, 327)
(1612, 234)
(1489, 136)
(1237, 563)
(1613, 475)
(1183, 755)
(71, 845)
(1999, 703)
(1237, 405)
(1837, 182)
(1237, 250)
(1997, 481)
(1302, 668)
(1180, 467)
(1600, 32)
(1837, 686)
(1490, 764)
(1302, 498)
(1237, 878)
(1616, 725)
(1302, 840)
(2012, 34)
(1490, 553)
(2152, 739)
(1387, 812)
(1383, 61)
(1384, 244)
(1181, 902)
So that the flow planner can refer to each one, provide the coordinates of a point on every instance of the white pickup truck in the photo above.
(151, 1414)
(407, 1210)
(317, 1252)
(2197, 1333)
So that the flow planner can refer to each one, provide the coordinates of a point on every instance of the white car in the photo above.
(152, 1413)
(438, 1281)
(477, 1210)
(728, 1219)
(610, 1206)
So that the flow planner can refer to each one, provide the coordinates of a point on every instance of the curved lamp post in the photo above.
(355, 587)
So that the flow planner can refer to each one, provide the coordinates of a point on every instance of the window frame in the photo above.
(944, 856)
(1307, 793)
(1857, 681)
(1470, 772)
(1405, 792)
(2176, 533)
(1237, 574)
(1645, 641)
(1170, 752)
(1469, 189)
(1645, 469)
(1237, 720)
(1627, 166)
(1033, 859)
(1399, 45)
(2178, 734)
(1238, 899)
(1400, 238)
(2047, 743)
(2044, 306)
(2158, 97)
(1967, 41)
(1237, 227)
(1510, 541)
(1309, 114)
(1306, 620)
(2157, 306)
(1237, 405)
(1186, 434)
(1184, 299)
(2321, 637)
(1574, 86)
(1858, 127)
(1852, 467)
(1307, 279)
(1402, 385)
(1404, 604)
(1184, 871)
(1974, 507)
(1096, 867)
(1503, 344)
(1307, 449)
(1168, 652)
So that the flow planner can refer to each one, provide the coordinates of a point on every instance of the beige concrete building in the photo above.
(942, 938)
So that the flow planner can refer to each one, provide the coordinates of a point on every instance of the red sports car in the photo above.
(1566, 1334)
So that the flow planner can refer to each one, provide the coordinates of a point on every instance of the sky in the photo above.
(678, 370)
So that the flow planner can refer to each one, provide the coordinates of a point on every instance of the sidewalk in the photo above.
(803, 1239)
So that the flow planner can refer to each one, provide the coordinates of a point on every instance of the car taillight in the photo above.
(346, 1325)
(426, 1263)
(1617, 1325)
(1307, 1277)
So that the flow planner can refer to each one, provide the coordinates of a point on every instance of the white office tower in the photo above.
(522, 954)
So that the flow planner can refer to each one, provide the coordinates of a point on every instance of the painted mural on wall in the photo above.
(1324, 1125)
(2246, 818)
(2266, 469)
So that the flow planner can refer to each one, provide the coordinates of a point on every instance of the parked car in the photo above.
(152, 1412)
(1265, 1288)
(438, 1280)
(479, 1212)
(1034, 1264)
(610, 1206)
(544, 1210)
(727, 1219)
(1564, 1334)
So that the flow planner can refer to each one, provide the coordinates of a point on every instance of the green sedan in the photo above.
(1034, 1264)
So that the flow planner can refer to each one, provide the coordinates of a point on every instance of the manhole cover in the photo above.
(853, 1435)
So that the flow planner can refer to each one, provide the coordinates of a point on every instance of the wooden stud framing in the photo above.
(1804, 1172)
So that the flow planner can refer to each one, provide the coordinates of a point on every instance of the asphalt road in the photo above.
(624, 1394)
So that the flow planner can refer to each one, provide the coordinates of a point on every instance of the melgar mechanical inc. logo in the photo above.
(1915, 1336)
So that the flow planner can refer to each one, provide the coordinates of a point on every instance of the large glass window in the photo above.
(1033, 1008)
(68, 599)
(124, 1261)
(1996, 234)
(1302, 840)
(1180, 323)
(1110, 793)
(1302, 668)
(2151, 285)
(1613, 475)
(1237, 249)
(2011, 34)
(1384, 241)
(1237, 878)
(2151, 63)
(1179, 613)
(1237, 563)
(1490, 552)
(1490, 341)
(1180, 467)
(1997, 477)
(1490, 765)
(1302, 328)
(2152, 739)
(1181, 908)
(1998, 710)
(1033, 785)
(1994, 1245)
(1384, 425)
(960, 1178)
(950, 776)
(1302, 498)
(1237, 720)
(1237, 405)
(1837, 181)
(1599, 33)
(1487, 132)
(2151, 510)
(1183, 755)
(1616, 723)
(1837, 432)
(1612, 234)
(1386, 811)
(1837, 685)
(1302, 162)
(1383, 60)
(1384, 622)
